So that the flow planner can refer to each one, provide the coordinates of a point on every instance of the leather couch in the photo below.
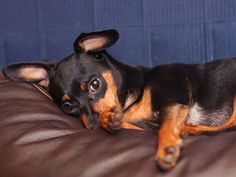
(38, 140)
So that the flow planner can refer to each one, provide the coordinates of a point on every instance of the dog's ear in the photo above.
(37, 72)
(95, 41)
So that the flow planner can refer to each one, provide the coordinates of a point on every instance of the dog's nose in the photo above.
(70, 107)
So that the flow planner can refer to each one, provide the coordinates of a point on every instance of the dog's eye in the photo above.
(94, 85)
(68, 107)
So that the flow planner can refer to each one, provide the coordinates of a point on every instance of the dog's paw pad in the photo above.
(114, 122)
(169, 159)
(111, 120)
(114, 109)
(115, 118)
(168, 156)
(167, 162)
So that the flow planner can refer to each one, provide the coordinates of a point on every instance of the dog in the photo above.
(182, 99)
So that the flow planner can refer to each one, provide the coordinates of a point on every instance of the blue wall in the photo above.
(151, 31)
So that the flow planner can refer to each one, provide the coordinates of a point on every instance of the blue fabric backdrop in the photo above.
(151, 31)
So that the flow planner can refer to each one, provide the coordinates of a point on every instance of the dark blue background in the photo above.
(151, 31)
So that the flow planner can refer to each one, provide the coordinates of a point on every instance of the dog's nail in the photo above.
(168, 159)
(118, 116)
(185, 135)
(114, 109)
(114, 130)
(112, 118)
(109, 130)
(170, 150)
(116, 123)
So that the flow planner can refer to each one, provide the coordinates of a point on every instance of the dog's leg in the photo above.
(169, 136)
(174, 126)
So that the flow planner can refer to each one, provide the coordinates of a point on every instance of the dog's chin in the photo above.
(95, 120)
(89, 121)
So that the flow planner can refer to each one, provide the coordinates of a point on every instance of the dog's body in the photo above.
(182, 98)
(207, 89)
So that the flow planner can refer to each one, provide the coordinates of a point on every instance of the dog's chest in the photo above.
(141, 110)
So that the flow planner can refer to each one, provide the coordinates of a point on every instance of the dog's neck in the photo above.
(131, 81)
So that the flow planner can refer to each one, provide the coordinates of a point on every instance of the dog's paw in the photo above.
(168, 156)
(111, 120)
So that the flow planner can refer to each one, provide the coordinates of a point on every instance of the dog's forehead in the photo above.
(79, 65)
(76, 68)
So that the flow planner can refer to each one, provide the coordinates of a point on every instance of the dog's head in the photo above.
(86, 83)
(82, 81)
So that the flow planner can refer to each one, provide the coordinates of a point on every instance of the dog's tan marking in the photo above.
(110, 99)
(83, 86)
(141, 110)
(108, 105)
(66, 98)
(85, 121)
(127, 125)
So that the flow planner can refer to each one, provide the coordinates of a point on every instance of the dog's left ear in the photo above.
(95, 41)
(37, 72)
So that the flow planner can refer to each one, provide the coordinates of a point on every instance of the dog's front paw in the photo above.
(167, 156)
(110, 120)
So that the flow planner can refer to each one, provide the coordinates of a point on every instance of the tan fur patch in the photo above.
(65, 98)
(141, 110)
(83, 86)
(110, 99)
(130, 126)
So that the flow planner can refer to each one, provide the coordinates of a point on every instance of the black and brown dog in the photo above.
(182, 98)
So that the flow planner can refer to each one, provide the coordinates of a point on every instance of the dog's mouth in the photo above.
(89, 117)
(87, 121)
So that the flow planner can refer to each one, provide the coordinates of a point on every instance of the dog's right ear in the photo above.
(95, 41)
(37, 72)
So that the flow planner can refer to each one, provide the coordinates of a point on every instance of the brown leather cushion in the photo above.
(37, 139)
